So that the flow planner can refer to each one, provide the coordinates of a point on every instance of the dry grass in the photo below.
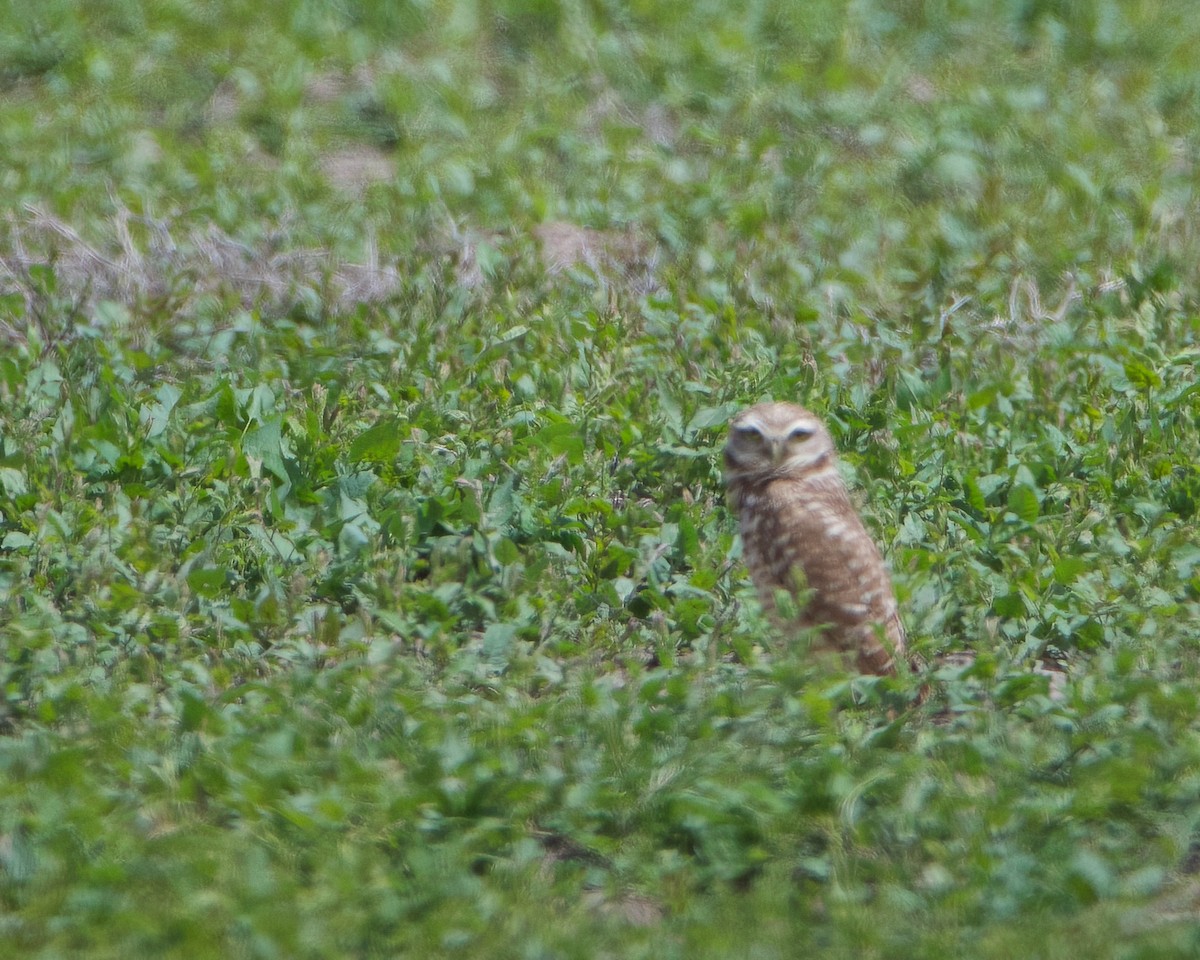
(354, 169)
(141, 260)
(133, 259)
(617, 253)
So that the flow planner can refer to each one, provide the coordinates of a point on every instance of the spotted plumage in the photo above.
(800, 530)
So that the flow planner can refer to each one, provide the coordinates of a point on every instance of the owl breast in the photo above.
(805, 533)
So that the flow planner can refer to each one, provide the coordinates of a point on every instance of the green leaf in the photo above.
(506, 552)
(1009, 605)
(379, 443)
(708, 417)
(16, 540)
(508, 336)
(194, 710)
(561, 439)
(1141, 376)
(265, 445)
(981, 398)
(974, 495)
(207, 581)
(688, 539)
(498, 640)
(352, 539)
(155, 416)
(1023, 501)
(1067, 569)
(13, 482)
(501, 504)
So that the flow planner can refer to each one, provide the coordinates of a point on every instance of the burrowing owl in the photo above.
(800, 529)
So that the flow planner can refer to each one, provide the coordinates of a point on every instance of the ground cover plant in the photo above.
(366, 582)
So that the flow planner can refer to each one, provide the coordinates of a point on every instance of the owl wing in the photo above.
(819, 534)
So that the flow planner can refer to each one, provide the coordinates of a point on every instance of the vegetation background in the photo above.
(366, 583)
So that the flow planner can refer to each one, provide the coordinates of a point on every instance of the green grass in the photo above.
(366, 582)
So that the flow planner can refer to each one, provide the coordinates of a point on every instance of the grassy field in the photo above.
(367, 587)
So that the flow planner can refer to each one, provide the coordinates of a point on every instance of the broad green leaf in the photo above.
(688, 540)
(561, 439)
(379, 443)
(981, 398)
(708, 417)
(506, 551)
(261, 406)
(1141, 376)
(501, 503)
(265, 444)
(1009, 605)
(498, 640)
(1068, 568)
(207, 581)
(13, 482)
(352, 539)
(1023, 501)
(155, 416)
(509, 335)
(974, 495)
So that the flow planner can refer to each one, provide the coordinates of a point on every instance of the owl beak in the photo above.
(776, 450)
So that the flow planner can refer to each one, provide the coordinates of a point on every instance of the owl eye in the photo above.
(748, 432)
(800, 434)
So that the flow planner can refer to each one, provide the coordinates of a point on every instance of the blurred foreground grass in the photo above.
(366, 586)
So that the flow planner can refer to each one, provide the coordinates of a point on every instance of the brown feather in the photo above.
(798, 526)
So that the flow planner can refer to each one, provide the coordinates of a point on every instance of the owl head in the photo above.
(776, 440)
